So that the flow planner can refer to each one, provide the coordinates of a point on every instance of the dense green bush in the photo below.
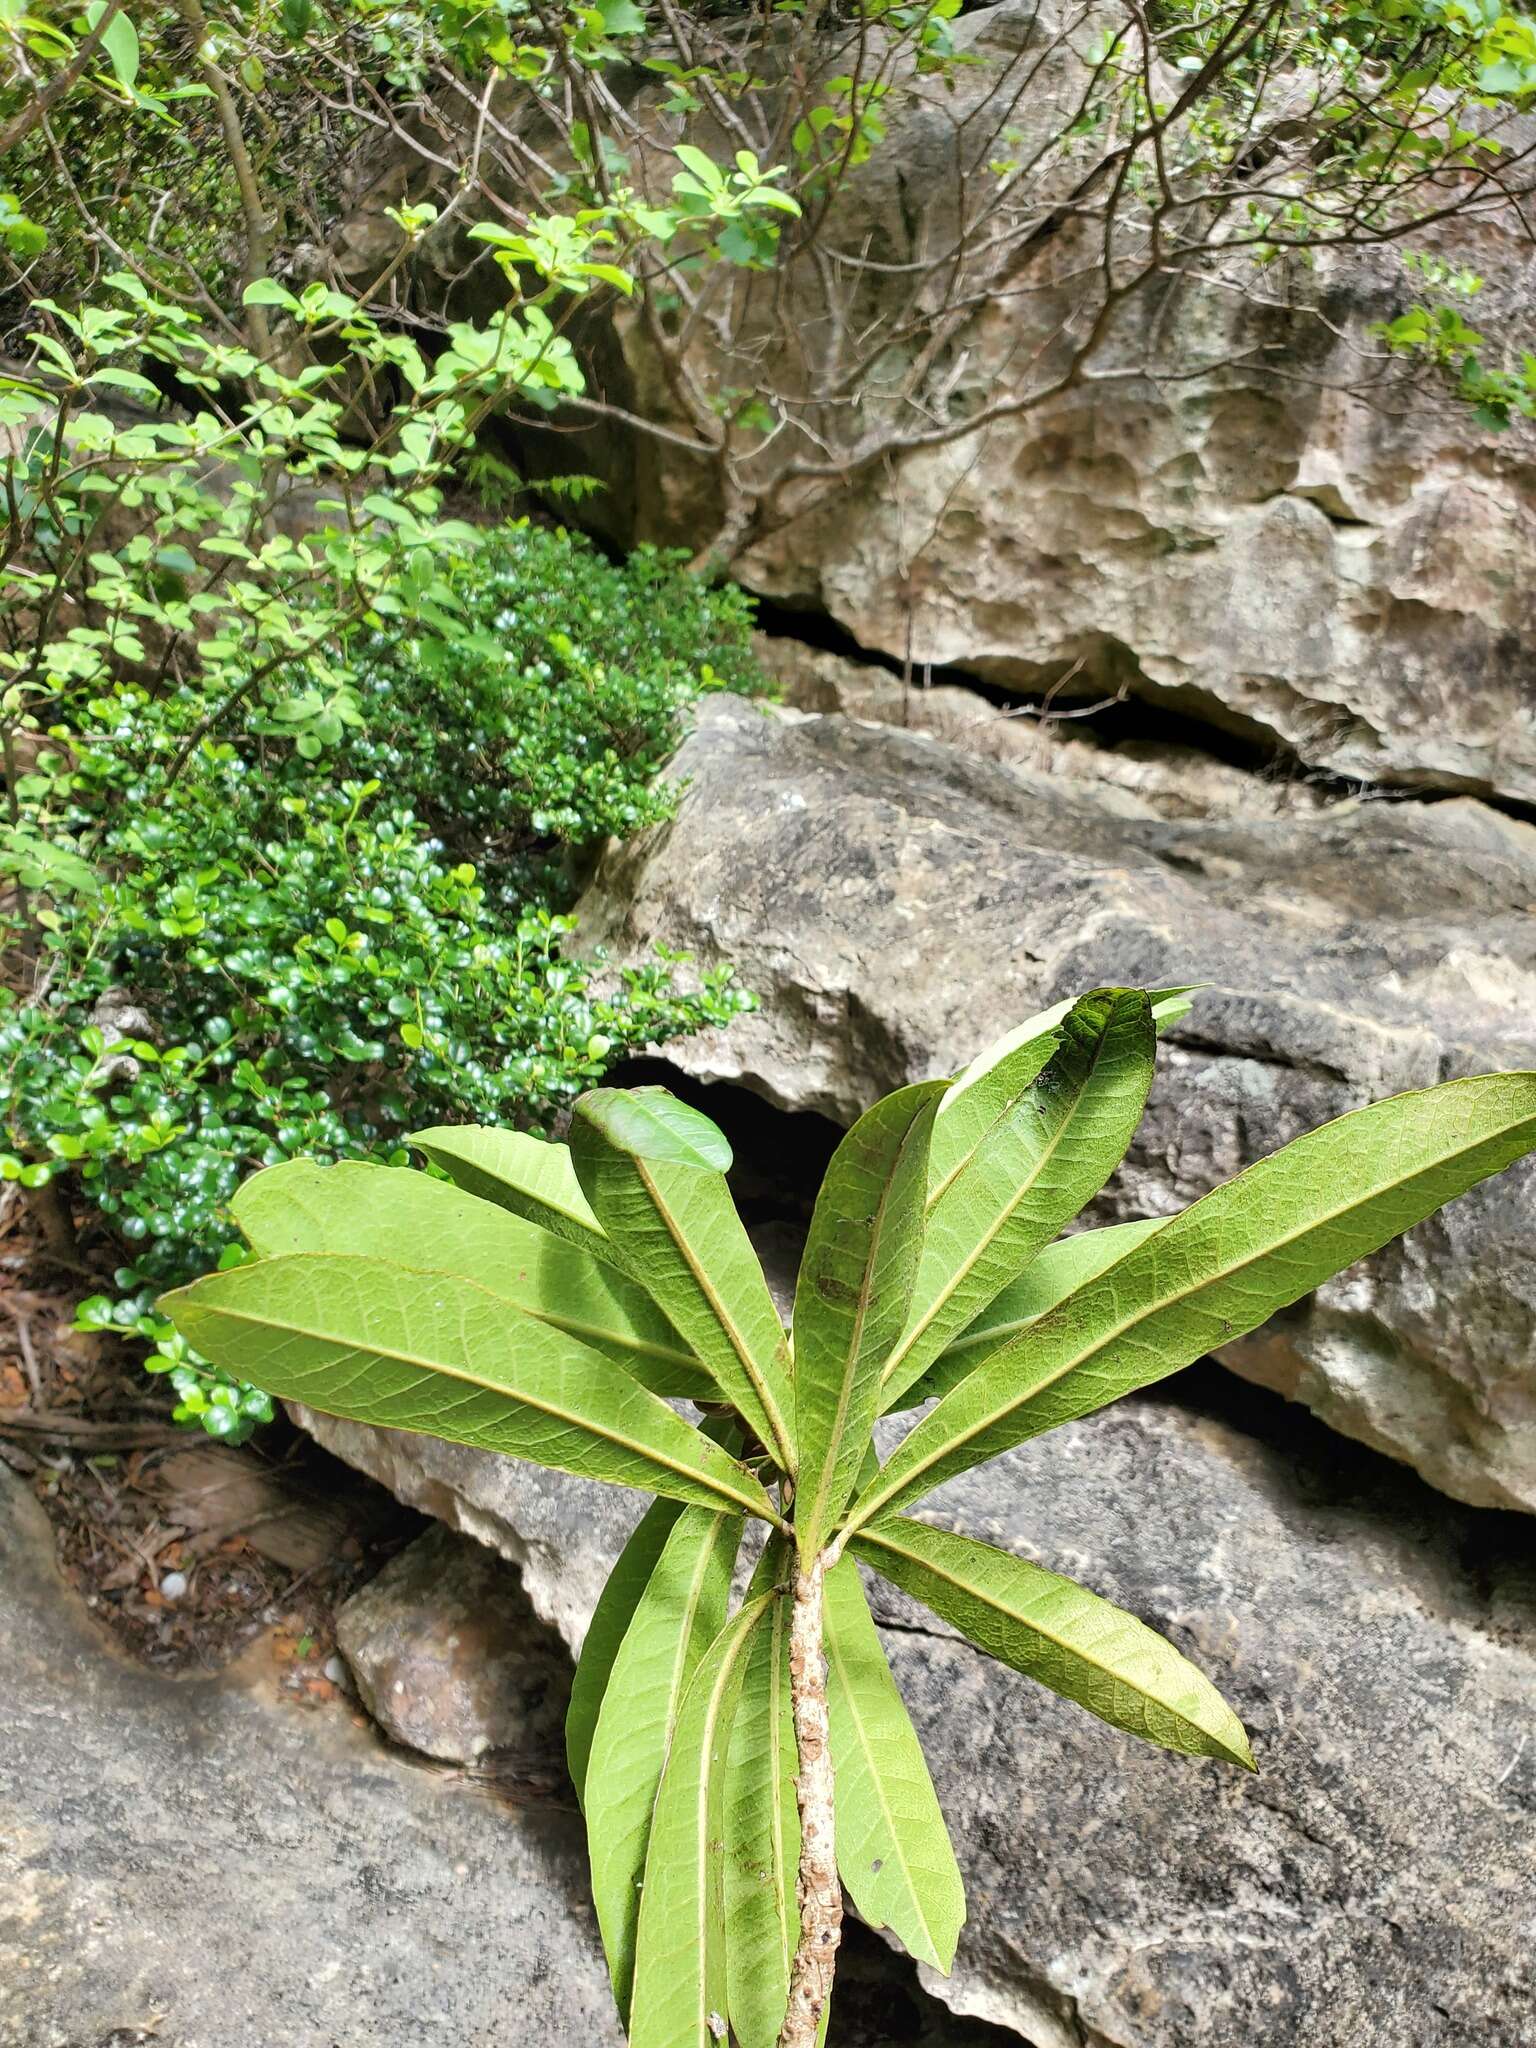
(276, 951)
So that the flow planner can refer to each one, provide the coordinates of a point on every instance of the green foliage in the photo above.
(929, 1247)
(271, 955)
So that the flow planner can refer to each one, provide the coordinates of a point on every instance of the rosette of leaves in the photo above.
(741, 1767)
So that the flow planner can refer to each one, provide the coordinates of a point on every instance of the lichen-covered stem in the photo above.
(820, 1894)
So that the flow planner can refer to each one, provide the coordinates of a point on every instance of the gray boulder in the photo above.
(449, 1657)
(896, 904)
(195, 1863)
(1369, 1888)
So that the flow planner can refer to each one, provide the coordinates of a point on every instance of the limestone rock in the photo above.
(1241, 510)
(1171, 780)
(1371, 1884)
(449, 1657)
(196, 1863)
(896, 905)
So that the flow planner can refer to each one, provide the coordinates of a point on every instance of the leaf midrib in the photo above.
(859, 1521)
(851, 1358)
(836, 1658)
(703, 1477)
(734, 1337)
(722, 1680)
(885, 1542)
(967, 1265)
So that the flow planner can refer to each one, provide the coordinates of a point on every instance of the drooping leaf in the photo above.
(681, 1992)
(677, 1616)
(893, 1849)
(1057, 1272)
(851, 1300)
(378, 1343)
(1071, 1640)
(1220, 1268)
(762, 1824)
(1047, 1155)
(381, 1212)
(529, 1176)
(677, 1229)
(606, 1631)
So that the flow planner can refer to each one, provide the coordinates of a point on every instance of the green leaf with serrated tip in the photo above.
(378, 1343)
(1058, 1271)
(681, 1991)
(529, 1176)
(606, 1631)
(851, 1300)
(678, 1232)
(678, 1615)
(1220, 1268)
(762, 1823)
(651, 1123)
(893, 1849)
(1047, 1154)
(1079, 1645)
(382, 1212)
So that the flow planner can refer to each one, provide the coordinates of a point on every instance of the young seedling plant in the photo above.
(740, 1770)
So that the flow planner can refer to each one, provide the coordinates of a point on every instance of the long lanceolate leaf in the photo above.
(382, 1212)
(382, 1344)
(669, 1212)
(998, 1076)
(893, 1850)
(677, 1616)
(1046, 1155)
(606, 1631)
(762, 1824)
(528, 1176)
(1079, 1645)
(1059, 1270)
(1220, 1268)
(856, 1276)
(681, 1992)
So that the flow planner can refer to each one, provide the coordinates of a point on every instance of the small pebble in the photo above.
(173, 1585)
(335, 1670)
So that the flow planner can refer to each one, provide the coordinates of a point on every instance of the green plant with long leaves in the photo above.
(740, 1769)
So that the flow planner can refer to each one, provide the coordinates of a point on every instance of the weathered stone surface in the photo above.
(1352, 581)
(449, 1657)
(896, 905)
(1372, 1885)
(1172, 780)
(1214, 516)
(194, 1859)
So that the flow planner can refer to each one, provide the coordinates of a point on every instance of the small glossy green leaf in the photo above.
(1071, 1640)
(651, 1123)
(606, 1631)
(381, 1212)
(681, 1990)
(1058, 1271)
(677, 1230)
(678, 1614)
(1048, 1153)
(851, 1300)
(120, 40)
(529, 1176)
(378, 1343)
(1220, 1268)
(762, 1823)
(893, 1849)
